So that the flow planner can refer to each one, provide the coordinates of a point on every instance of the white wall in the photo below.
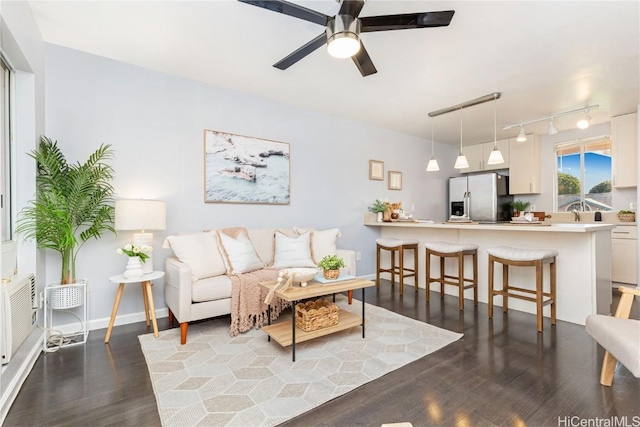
(22, 46)
(155, 123)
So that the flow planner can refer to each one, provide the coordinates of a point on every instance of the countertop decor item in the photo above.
(519, 207)
(378, 207)
(53, 219)
(331, 265)
(627, 216)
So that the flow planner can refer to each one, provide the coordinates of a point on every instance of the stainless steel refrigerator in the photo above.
(483, 197)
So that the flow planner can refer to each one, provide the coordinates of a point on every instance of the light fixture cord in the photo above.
(495, 123)
(432, 140)
(461, 131)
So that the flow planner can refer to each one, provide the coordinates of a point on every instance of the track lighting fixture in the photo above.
(495, 158)
(432, 166)
(583, 123)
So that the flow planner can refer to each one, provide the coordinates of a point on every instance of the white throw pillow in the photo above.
(200, 252)
(240, 253)
(293, 251)
(323, 242)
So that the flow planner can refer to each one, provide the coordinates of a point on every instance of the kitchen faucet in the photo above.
(576, 215)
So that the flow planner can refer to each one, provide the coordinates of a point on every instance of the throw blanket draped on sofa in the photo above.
(247, 300)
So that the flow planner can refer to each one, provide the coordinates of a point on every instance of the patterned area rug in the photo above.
(217, 380)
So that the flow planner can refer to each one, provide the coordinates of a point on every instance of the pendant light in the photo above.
(521, 136)
(433, 163)
(461, 161)
(552, 128)
(495, 158)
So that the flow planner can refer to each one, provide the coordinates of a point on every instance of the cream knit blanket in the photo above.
(247, 300)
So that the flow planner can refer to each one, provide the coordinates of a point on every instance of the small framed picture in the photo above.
(376, 170)
(395, 180)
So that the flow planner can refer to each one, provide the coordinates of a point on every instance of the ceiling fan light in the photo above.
(521, 136)
(552, 128)
(433, 165)
(495, 158)
(343, 45)
(584, 122)
(461, 162)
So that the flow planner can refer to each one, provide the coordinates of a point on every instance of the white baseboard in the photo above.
(369, 277)
(16, 371)
(126, 319)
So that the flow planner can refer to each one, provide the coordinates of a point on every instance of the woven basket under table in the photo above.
(313, 315)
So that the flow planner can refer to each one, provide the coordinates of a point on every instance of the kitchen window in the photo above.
(5, 154)
(583, 175)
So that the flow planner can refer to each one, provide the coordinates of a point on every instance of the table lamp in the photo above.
(141, 215)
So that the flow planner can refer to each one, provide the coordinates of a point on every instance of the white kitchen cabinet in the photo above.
(474, 155)
(478, 155)
(624, 149)
(624, 254)
(524, 166)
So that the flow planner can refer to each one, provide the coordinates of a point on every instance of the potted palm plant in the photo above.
(519, 207)
(73, 203)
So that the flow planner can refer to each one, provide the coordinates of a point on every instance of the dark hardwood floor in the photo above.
(502, 372)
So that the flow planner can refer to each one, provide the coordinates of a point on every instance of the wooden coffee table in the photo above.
(289, 335)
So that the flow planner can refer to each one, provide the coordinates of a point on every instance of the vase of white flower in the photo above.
(133, 268)
(137, 256)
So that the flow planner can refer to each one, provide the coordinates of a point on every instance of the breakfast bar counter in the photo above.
(583, 261)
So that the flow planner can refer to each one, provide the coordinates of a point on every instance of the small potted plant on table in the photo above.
(331, 265)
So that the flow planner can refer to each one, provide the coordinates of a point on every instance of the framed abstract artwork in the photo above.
(245, 169)
(376, 170)
(395, 180)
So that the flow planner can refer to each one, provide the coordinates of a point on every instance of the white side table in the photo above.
(147, 297)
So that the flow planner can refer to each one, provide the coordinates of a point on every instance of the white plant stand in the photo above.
(71, 302)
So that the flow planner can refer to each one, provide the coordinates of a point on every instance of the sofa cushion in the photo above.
(262, 239)
(323, 242)
(292, 251)
(240, 255)
(211, 289)
(200, 252)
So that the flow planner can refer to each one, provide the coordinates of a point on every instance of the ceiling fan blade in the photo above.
(300, 53)
(363, 62)
(351, 7)
(406, 21)
(290, 9)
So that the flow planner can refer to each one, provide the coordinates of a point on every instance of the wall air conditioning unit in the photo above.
(20, 314)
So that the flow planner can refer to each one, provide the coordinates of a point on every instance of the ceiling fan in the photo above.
(343, 30)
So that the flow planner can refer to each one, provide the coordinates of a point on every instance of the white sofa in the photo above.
(197, 284)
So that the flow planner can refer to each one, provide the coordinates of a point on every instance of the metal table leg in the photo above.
(362, 312)
(293, 331)
(269, 321)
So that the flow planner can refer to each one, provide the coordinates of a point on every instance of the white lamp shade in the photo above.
(583, 123)
(552, 128)
(461, 162)
(141, 215)
(343, 45)
(521, 136)
(432, 166)
(495, 158)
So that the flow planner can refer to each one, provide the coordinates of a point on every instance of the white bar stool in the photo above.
(516, 257)
(452, 250)
(397, 246)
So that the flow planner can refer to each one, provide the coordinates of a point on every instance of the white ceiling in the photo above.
(546, 57)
